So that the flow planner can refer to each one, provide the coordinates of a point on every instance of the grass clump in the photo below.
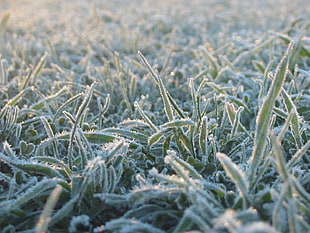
(154, 117)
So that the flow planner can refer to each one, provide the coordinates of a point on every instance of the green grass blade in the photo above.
(40, 65)
(64, 105)
(112, 179)
(121, 81)
(186, 141)
(168, 179)
(301, 191)
(237, 123)
(81, 110)
(136, 124)
(183, 170)
(36, 169)
(264, 117)
(19, 96)
(86, 101)
(130, 134)
(70, 117)
(264, 87)
(27, 80)
(184, 224)
(280, 163)
(175, 106)
(146, 118)
(56, 162)
(178, 123)
(30, 194)
(298, 155)
(291, 107)
(237, 176)
(103, 110)
(191, 170)
(285, 126)
(246, 55)
(31, 168)
(10, 153)
(293, 216)
(50, 133)
(203, 134)
(4, 73)
(163, 91)
(4, 21)
(214, 66)
(230, 112)
(189, 218)
(277, 221)
(45, 216)
(45, 101)
(82, 151)
(158, 135)
(194, 99)
(239, 102)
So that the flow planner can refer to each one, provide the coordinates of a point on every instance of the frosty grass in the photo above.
(154, 116)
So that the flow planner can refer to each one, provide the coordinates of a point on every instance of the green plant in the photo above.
(152, 117)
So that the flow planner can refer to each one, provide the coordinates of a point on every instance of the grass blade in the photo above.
(178, 123)
(56, 162)
(81, 110)
(158, 135)
(280, 163)
(4, 21)
(146, 118)
(237, 122)
(203, 134)
(4, 73)
(64, 105)
(29, 195)
(45, 217)
(50, 133)
(294, 121)
(237, 176)
(298, 155)
(40, 65)
(163, 91)
(121, 81)
(264, 117)
(212, 60)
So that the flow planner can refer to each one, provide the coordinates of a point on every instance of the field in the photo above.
(155, 116)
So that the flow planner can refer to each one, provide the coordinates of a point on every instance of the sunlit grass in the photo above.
(154, 116)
